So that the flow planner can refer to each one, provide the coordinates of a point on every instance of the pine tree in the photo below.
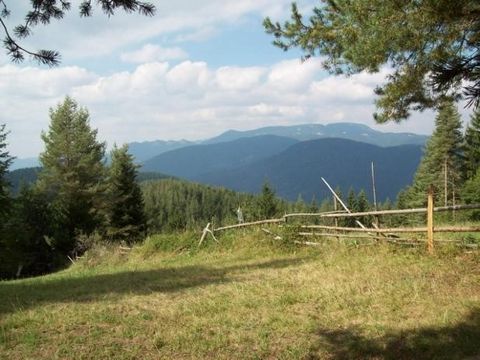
(5, 161)
(442, 161)
(471, 193)
(73, 173)
(472, 145)
(267, 203)
(362, 206)
(352, 206)
(125, 213)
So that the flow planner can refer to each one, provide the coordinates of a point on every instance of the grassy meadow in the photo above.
(247, 298)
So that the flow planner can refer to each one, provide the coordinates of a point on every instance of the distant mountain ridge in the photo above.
(344, 163)
(350, 131)
(188, 162)
(145, 150)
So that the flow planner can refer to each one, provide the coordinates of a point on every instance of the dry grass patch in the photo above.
(246, 299)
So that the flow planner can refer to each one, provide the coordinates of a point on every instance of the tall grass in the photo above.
(247, 298)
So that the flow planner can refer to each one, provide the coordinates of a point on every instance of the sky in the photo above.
(193, 71)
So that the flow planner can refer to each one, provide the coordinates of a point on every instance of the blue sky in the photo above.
(194, 70)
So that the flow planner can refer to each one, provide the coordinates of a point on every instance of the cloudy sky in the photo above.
(194, 70)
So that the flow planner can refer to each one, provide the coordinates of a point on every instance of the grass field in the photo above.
(247, 299)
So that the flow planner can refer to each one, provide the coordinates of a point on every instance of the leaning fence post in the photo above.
(430, 220)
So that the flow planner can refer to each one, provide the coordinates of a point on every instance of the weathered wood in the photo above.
(341, 202)
(308, 243)
(403, 211)
(398, 230)
(270, 221)
(350, 229)
(205, 231)
(430, 221)
(276, 237)
(332, 235)
(314, 214)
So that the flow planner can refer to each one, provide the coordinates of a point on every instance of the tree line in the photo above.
(75, 196)
(451, 162)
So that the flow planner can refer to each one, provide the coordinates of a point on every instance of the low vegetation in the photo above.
(248, 297)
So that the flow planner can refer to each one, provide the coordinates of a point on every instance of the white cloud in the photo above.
(293, 75)
(189, 100)
(99, 35)
(236, 78)
(151, 53)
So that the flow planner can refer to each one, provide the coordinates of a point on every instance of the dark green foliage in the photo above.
(267, 202)
(432, 46)
(22, 177)
(5, 161)
(26, 237)
(172, 205)
(443, 151)
(125, 216)
(472, 145)
(73, 174)
(352, 206)
(471, 193)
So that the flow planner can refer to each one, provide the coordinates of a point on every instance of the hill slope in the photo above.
(192, 161)
(243, 299)
(342, 162)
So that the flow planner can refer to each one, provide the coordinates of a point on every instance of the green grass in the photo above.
(247, 298)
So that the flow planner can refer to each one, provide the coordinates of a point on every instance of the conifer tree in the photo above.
(472, 145)
(5, 161)
(125, 213)
(73, 174)
(352, 206)
(267, 204)
(442, 161)
(471, 193)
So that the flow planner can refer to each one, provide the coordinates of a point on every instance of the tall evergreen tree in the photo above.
(73, 173)
(126, 218)
(442, 161)
(471, 193)
(267, 202)
(472, 145)
(5, 161)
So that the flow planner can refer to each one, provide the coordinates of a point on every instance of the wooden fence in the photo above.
(375, 232)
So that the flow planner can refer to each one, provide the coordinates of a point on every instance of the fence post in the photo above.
(430, 220)
(335, 207)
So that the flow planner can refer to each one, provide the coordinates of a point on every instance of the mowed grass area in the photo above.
(247, 298)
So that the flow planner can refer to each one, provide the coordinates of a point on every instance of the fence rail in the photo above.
(376, 233)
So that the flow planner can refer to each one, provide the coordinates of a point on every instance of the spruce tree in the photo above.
(125, 213)
(443, 155)
(5, 162)
(73, 174)
(471, 193)
(472, 145)
(267, 203)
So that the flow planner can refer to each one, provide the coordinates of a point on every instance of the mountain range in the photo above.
(291, 158)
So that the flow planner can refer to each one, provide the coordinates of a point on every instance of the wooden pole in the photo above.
(205, 231)
(376, 223)
(430, 220)
(374, 189)
(335, 208)
(341, 202)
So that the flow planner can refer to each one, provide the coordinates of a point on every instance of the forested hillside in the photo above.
(343, 163)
